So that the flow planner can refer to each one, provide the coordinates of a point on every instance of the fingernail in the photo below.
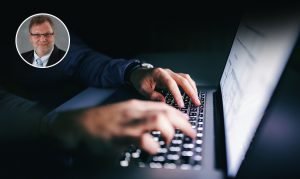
(199, 102)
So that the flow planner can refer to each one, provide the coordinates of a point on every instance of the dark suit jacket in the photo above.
(55, 56)
(81, 67)
(25, 88)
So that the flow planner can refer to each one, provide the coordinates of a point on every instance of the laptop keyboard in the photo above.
(182, 152)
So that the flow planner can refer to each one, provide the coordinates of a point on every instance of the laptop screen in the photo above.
(259, 53)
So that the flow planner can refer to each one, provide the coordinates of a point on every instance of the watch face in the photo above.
(147, 65)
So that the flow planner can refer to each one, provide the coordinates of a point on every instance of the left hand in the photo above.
(127, 122)
(146, 81)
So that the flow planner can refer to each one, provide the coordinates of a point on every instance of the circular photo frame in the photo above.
(42, 40)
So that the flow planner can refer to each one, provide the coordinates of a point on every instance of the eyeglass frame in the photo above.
(46, 35)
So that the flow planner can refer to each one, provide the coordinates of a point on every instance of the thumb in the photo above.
(156, 96)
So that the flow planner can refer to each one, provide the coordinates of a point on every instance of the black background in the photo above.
(120, 30)
(125, 30)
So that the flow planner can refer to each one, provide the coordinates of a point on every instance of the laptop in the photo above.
(230, 114)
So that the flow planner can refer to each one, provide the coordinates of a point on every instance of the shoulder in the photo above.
(27, 55)
(58, 52)
(56, 55)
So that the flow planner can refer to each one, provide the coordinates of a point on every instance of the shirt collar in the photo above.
(44, 58)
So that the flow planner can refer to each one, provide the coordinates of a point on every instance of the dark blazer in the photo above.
(55, 56)
(81, 66)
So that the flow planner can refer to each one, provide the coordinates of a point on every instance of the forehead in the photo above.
(43, 27)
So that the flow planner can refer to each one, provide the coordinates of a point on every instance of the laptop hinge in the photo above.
(220, 149)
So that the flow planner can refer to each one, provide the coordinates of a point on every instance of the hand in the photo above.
(147, 80)
(125, 122)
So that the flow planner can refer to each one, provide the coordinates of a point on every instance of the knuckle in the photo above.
(133, 102)
(156, 117)
(184, 81)
(135, 134)
(164, 107)
(127, 114)
(169, 81)
(169, 70)
(158, 70)
(186, 75)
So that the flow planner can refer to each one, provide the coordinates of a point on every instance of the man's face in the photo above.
(42, 38)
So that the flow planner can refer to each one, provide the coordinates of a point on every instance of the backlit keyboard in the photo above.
(182, 152)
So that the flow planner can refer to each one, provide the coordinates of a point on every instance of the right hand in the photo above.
(132, 120)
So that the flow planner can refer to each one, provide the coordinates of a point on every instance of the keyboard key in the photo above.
(182, 152)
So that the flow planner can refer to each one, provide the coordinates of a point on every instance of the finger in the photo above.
(187, 87)
(161, 123)
(139, 110)
(181, 123)
(148, 144)
(173, 88)
(156, 96)
(149, 122)
(190, 80)
(154, 120)
(167, 121)
(135, 131)
(157, 106)
(195, 100)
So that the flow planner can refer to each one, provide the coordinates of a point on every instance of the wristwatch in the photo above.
(146, 65)
(135, 65)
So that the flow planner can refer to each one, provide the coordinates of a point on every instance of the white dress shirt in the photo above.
(44, 58)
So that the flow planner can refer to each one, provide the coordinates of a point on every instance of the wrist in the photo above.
(137, 76)
(135, 67)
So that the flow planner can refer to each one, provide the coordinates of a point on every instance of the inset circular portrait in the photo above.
(42, 40)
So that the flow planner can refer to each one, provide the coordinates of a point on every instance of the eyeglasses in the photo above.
(46, 35)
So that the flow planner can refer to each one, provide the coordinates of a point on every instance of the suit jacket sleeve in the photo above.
(20, 118)
(92, 68)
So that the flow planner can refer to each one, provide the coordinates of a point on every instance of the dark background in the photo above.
(165, 34)
(124, 30)
(171, 35)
